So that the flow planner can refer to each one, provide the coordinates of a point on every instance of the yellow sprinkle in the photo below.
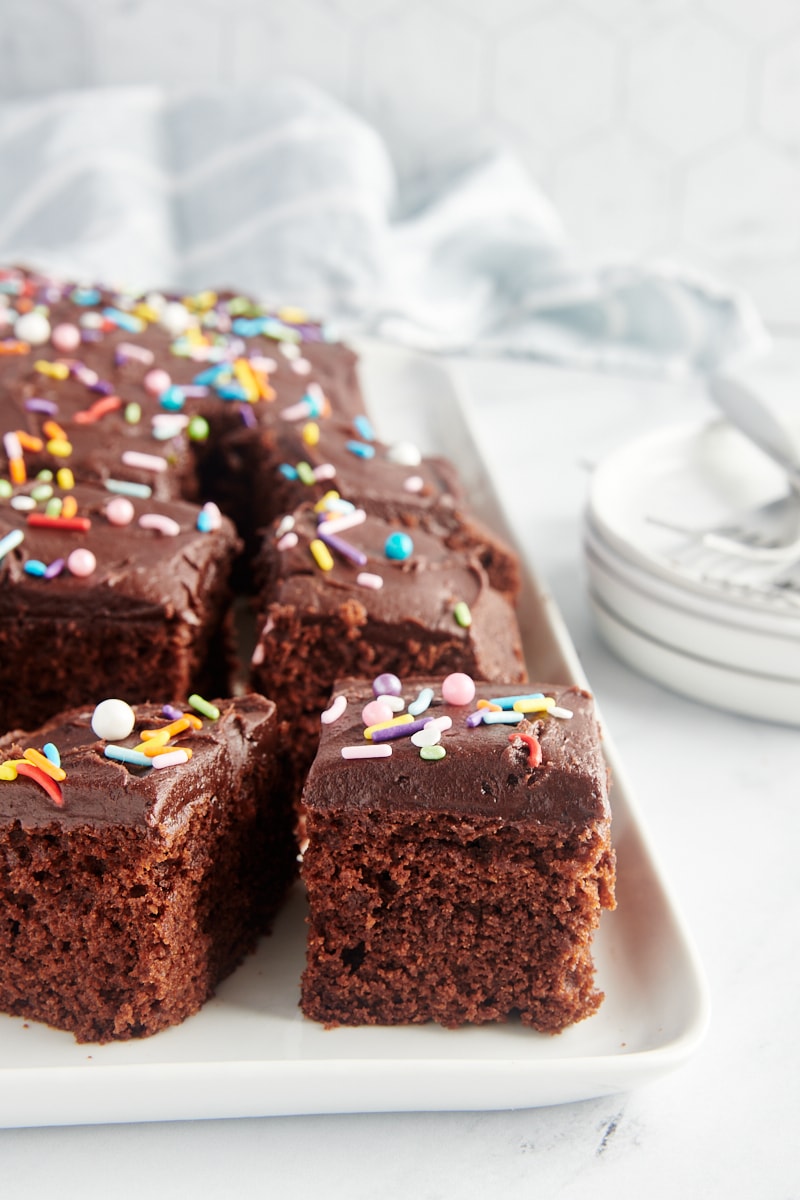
(65, 479)
(321, 555)
(244, 373)
(311, 433)
(403, 719)
(158, 750)
(8, 770)
(54, 370)
(59, 447)
(145, 312)
(165, 732)
(322, 504)
(532, 706)
(265, 389)
(28, 442)
(44, 764)
(293, 316)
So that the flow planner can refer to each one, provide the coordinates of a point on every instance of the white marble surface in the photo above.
(719, 796)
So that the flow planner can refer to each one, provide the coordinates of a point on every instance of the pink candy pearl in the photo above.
(458, 689)
(119, 511)
(66, 338)
(81, 563)
(376, 712)
(157, 381)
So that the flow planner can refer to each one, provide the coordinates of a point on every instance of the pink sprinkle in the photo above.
(288, 541)
(368, 580)
(376, 712)
(458, 688)
(414, 483)
(81, 563)
(66, 338)
(160, 523)
(335, 711)
(346, 521)
(295, 412)
(301, 366)
(157, 381)
(173, 759)
(444, 722)
(129, 350)
(380, 750)
(267, 365)
(324, 471)
(146, 462)
(119, 511)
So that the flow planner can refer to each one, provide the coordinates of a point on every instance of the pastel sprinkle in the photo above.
(361, 449)
(321, 554)
(403, 719)
(363, 427)
(422, 702)
(172, 759)
(458, 688)
(558, 711)
(35, 567)
(376, 712)
(288, 541)
(342, 547)
(462, 614)
(305, 474)
(348, 520)
(502, 718)
(131, 758)
(368, 580)
(146, 462)
(10, 542)
(443, 722)
(427, 736)
(532, 706)
(51, 752)
(335, 711)
(382, 750)
(160, 523)
(413, 484)
(398, 728)
(474, 719)
(171, 712)
(124, 487)
(432, 753)
(512, 701)
(202, 706)
(386, 684)
(398, 546)
(113, 719)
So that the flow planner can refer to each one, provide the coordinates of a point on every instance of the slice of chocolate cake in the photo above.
(129, 891)
(351, 593)
(457, 872)
(107, 595)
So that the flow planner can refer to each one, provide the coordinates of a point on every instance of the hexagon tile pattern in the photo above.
(670, 128)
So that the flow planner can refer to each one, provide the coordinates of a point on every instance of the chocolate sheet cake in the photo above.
(460, 880)
(129, 892)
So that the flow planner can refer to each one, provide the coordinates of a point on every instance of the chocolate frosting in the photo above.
(99, 791)
(483, 773)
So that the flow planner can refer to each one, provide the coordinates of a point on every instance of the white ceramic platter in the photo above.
(249, 1052)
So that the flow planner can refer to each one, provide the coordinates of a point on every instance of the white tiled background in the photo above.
(660, 128)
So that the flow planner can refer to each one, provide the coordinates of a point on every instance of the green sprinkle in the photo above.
(45, 475)
(197, 429)
(432, 753)
(6, 489)
(305, 474)
(462, 614)
(133, 413)
(54, 506)
(42, 491)
(202, 706)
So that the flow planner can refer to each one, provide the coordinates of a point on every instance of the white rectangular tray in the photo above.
(250, 1053)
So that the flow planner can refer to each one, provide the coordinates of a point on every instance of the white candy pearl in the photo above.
(113, 720)
(405, 453)
(33, 328)
(175, 318)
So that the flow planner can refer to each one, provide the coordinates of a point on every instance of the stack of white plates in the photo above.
(692, 542)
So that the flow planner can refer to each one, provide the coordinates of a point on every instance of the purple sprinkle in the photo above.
(344, 548)
(475, 718)
(194, 391)
(91, 335)
(102, 386)
(38, 405)
(172, 713)
(55, 568)
(248, 416)
(393, 732)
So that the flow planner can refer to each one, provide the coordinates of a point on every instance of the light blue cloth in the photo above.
(284, 193)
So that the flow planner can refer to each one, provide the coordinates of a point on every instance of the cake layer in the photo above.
(460, 888)
(89, 606)
(130, 892)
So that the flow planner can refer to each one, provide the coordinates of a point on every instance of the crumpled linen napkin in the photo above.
(284, 193)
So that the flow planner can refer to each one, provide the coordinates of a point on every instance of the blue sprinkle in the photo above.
(363, 427)
(132, 757)
(361, 449)
(287, 471)
(205, 522)
(34, 567)
(502, 718)
(123, 320)
(86, 297)
(422, 702)
(313, 404)
(172, 399)
(230, 391)
(506, 702)
(51, 753)
(398, 546)
(211, 374)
